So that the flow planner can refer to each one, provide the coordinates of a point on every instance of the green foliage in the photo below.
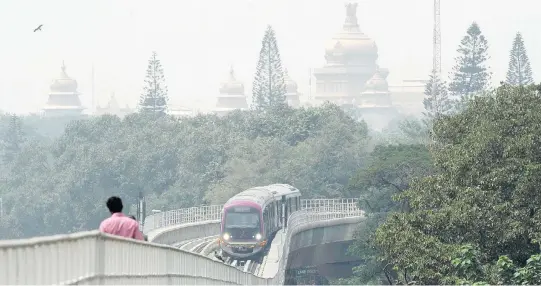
(485, 192)
(470, 73)
(467, 265)
(504, 271)
(436, 101)
(154, 97)
(519, 71)
(389, 171)
(269, 88)
(403, 130)
(12, 139)
(60, 185)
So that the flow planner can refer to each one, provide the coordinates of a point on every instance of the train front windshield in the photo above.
(242, 223)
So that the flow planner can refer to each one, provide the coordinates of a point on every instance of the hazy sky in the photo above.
(198, 40)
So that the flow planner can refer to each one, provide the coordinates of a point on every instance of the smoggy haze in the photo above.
(197, 41)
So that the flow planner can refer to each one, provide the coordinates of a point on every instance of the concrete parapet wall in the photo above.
(174, 234)
(94, 258)
(324, 232)
(322, 242)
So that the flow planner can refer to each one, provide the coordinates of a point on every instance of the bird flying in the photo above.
(38, 28)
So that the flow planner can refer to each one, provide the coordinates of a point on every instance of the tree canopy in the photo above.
(484, 193)
(520, 70)
(154, 96)
(471, 73)
(59, 185)
(269, 88)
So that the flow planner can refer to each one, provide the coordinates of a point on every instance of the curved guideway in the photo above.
(97, 258)
(271, 262)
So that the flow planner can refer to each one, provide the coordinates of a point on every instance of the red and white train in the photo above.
(252, 217)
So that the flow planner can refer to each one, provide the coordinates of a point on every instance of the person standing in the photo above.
(144, 235)
(118, 223)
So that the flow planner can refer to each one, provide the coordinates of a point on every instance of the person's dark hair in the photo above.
(133, 217)
(114, 204)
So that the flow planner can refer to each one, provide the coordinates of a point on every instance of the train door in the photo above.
(265, 221)
(277, 212)
(287, 208)
(271, 217)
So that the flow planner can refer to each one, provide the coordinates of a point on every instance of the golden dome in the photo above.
(232, 86)
(291, 85)
(378, 82)
(351, 46)
(64, 83)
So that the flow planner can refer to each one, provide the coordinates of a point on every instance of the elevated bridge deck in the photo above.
(96, 258)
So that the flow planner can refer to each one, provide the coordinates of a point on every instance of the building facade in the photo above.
(351, 60)
(113, 108)
(231, 95)
(292, 91)
(63, 97)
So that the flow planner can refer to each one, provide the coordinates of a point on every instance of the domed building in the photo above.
(63, 97)
(292, 93)
(351, 58)
(376, 92)
(231, 95)
(375, 104)
(113, 108)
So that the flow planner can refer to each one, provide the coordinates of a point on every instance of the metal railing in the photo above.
(318, 211)
(213, 212)
(96, 258)
(182, 216)
(327, 203)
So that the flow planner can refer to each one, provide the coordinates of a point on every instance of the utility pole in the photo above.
(141, 209)
(436, 61)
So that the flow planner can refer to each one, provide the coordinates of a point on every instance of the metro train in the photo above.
(252, 217)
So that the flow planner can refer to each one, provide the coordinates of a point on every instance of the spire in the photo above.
(63, 67)
(351, 24)
(232, 73)
(286, 74)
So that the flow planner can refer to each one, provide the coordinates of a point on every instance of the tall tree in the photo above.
(154, 97)
(269, 88)
(12, 139)
(520, 71)
(436, 103)
(471, 74)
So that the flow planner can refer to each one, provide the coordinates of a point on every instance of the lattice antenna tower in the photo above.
(436, 52)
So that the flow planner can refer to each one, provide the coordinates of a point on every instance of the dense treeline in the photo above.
(460, 205)
(465, 208)
(57, 185)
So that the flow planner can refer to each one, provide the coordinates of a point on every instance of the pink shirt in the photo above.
(121, 225)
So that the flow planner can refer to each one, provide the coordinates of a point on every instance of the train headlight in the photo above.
(258, 236)
(226, 236)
